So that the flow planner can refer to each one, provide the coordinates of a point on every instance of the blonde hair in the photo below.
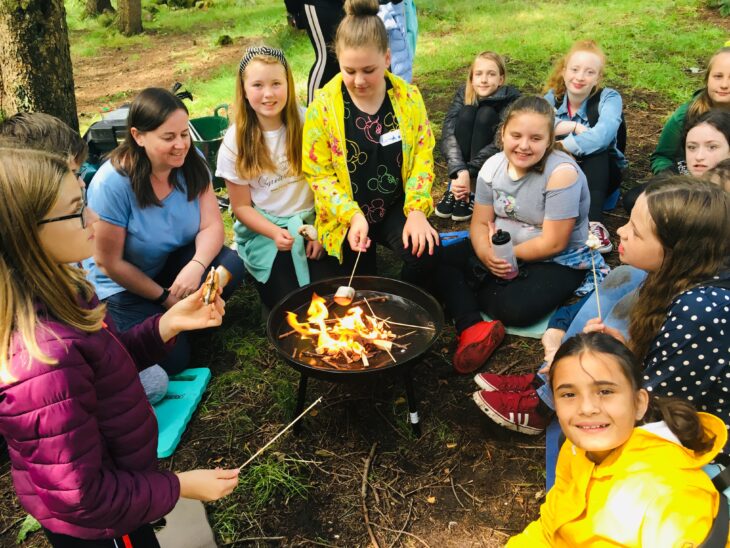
(253, 155)
(30, 182)
(361, 27)
(702, 103)
(556, 81)
(470, 95)
(691, 220)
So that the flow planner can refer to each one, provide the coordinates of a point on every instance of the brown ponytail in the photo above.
(682, 419)
(361, 27)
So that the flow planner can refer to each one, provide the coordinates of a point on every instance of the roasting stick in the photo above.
(346, 294)
(593, 244)
(374, 316)
(287, 427)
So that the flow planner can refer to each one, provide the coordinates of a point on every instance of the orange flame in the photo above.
(346, 336)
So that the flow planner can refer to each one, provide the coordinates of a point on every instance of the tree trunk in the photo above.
(130, 16)
(97, 7)
(35, 61)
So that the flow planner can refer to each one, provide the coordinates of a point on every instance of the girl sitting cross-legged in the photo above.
(538, 195)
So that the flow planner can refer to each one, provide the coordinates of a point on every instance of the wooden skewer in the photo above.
(595, 283)
(349, 283)
(287, 427)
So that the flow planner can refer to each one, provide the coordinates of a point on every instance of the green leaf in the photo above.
(29, 525)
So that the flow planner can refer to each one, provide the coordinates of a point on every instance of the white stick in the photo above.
(595, 283)
(287, 427)
(349, 284)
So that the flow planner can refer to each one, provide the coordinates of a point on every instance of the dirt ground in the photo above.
(465, 482)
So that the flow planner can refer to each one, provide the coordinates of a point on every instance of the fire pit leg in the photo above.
(412, 409)
(301, 396)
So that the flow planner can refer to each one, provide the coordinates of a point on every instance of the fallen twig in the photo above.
(419, 539)
(476, 499)
(453, 490)
(405, 524)
(363, 495)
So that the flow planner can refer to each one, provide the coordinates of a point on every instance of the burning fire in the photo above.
(349, 337)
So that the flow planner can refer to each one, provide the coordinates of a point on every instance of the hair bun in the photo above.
(360, 8)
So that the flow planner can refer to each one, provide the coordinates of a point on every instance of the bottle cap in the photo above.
(501, 237)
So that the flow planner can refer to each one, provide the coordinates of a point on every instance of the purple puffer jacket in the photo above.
(81, 435)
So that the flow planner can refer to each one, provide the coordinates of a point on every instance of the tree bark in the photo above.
(35, 60)
(97, 7)
(129, 13)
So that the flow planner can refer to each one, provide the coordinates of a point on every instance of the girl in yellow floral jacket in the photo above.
(630, 472)
(368, 154)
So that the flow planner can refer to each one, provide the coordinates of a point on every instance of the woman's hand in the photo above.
(357, 236)
(192, 313)
(420, 234)
(314, 250)
(551, 340)
(461, 186)
(596, 324)
(207, 485)
(283, 239)
(187, 280)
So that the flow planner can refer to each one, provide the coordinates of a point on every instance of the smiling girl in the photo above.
(368, 155)
(714, 95)
(82, 438)
(574, 83)
(260, 160)
(630, 472)
(469, 129)
(160, 229)
(540, 197)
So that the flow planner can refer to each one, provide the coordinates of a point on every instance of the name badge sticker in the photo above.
(390, 138)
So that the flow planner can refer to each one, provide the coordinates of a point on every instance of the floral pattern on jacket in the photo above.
(324, 158)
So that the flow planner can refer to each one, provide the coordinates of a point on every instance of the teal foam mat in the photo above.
(176, 409)
(534, 331)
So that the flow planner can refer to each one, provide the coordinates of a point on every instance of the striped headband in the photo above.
(257, 51)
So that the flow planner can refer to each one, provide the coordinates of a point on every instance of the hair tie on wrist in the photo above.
(257, 51)
(162, 298)
(201, 264)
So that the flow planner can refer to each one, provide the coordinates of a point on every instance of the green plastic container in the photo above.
(208, 136)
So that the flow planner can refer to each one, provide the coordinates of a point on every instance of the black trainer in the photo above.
(445, 207)
(462, 210)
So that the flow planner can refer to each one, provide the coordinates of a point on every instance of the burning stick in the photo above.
(287, 427)
(593, 244)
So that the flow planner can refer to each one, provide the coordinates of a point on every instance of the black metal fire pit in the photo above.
(405, 303)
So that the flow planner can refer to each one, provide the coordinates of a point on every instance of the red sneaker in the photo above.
(476, 344)
(505, 383)
(513, 410)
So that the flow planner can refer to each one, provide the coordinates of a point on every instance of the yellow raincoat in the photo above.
(651, 492)
(325, 166)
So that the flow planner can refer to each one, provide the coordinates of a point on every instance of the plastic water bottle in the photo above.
(502, 247)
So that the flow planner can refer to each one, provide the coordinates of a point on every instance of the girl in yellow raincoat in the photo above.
(367, 154)
(630, 472)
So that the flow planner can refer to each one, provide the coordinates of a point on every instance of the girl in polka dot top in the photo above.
(678, 233)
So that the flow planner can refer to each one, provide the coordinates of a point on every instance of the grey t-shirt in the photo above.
(521, 206)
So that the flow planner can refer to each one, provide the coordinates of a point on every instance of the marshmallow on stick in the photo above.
(593, 244)
(308, 232)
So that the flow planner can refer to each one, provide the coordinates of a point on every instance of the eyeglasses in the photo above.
(80, 215)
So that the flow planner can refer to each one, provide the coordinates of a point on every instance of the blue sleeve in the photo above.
(563, 316)
(690, 353)
(110, 196)
(600, 136)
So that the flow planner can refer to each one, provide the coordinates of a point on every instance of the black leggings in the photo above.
(388, 232)
(322, 18)
(603, 176)
(466, 288)
(283, 278)
(144, 537)
(475, 129)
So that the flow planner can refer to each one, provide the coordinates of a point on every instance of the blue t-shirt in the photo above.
(152, 233)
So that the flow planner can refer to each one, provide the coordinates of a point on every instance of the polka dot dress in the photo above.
(690, 357)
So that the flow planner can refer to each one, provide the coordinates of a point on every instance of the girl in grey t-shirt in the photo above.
(540, 196)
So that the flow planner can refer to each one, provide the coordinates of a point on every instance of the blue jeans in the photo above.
(128, 309)
(617, 293)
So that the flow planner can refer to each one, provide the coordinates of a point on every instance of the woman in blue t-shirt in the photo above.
(160, 229)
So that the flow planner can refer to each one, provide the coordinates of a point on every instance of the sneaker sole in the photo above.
(500, 420)
(605, 249)
(442, 215)
(484, 385)
(455, 218)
